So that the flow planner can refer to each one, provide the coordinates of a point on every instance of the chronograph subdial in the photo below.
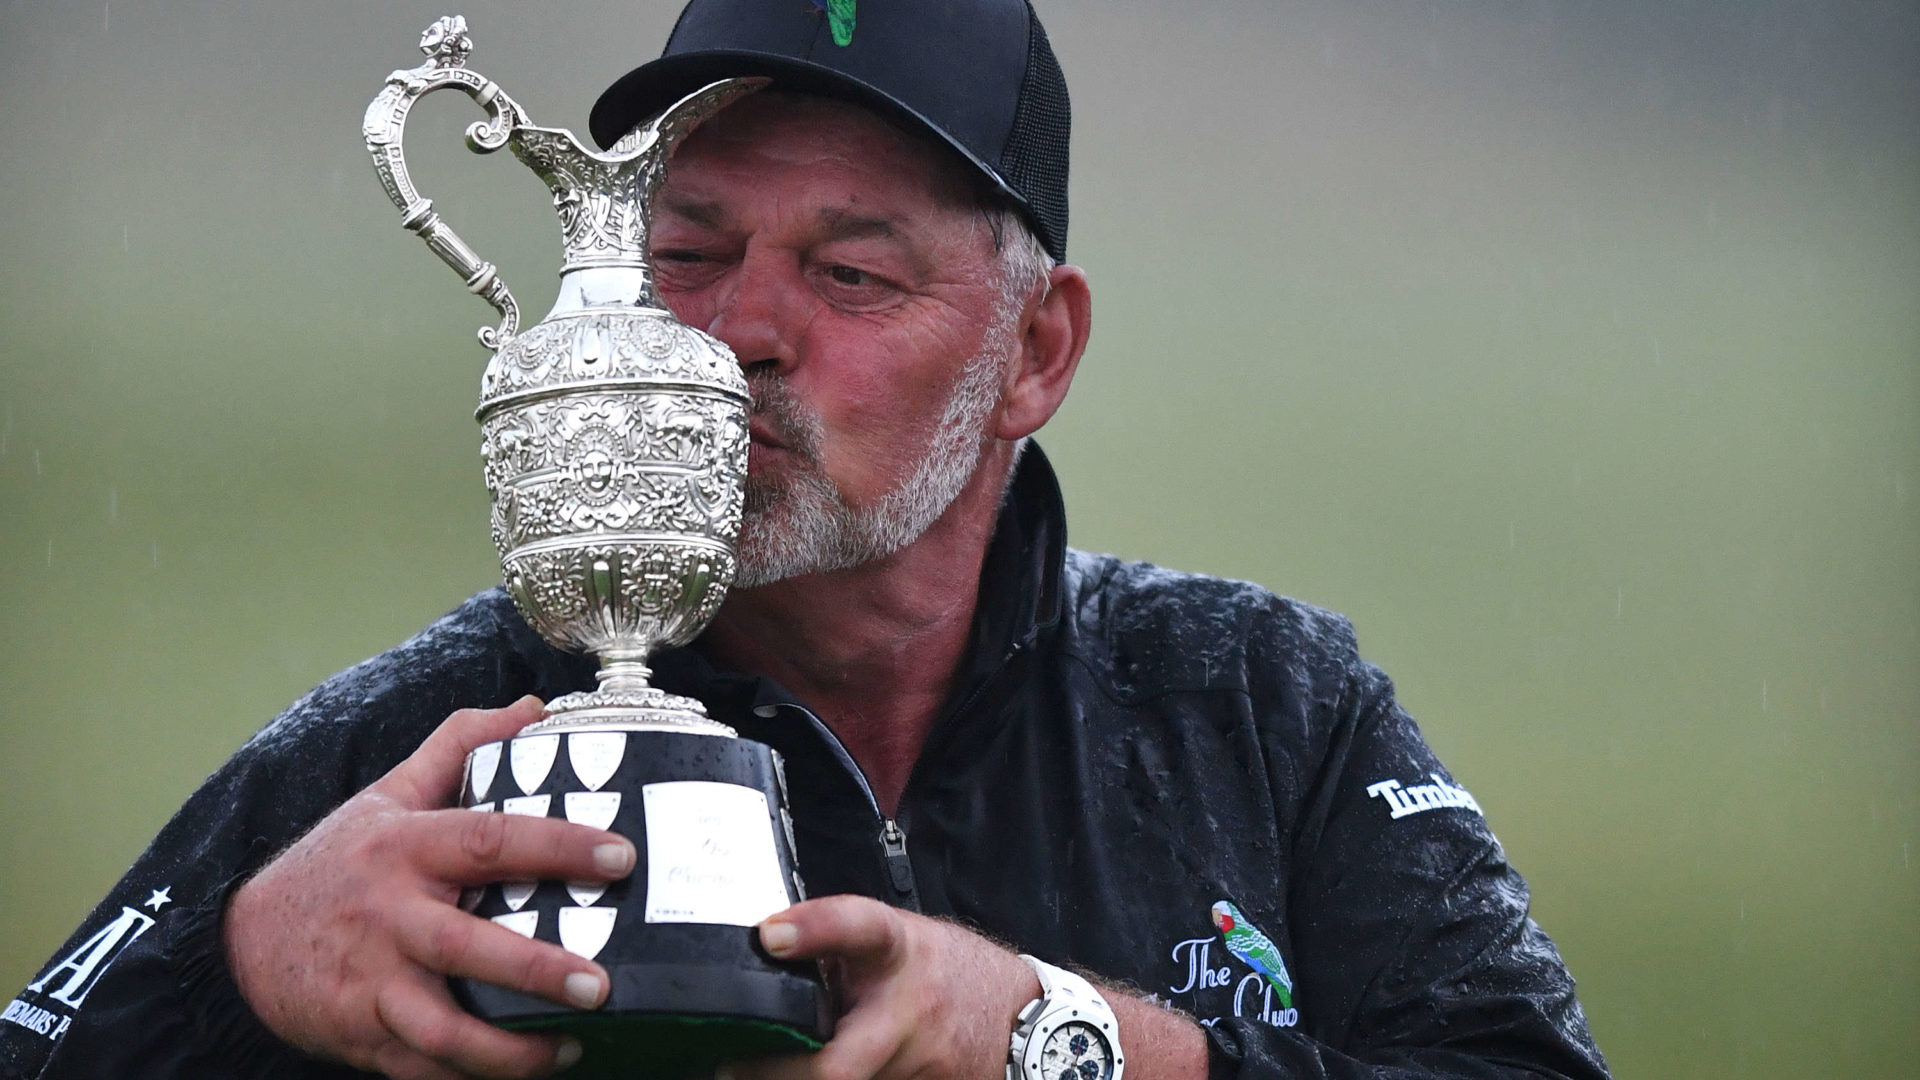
(1075, 1051)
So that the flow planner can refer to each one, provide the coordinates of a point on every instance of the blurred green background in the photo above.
(1571, 349)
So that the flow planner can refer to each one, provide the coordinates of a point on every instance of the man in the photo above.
(1190, 789)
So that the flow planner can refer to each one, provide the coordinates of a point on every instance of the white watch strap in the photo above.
(1059, 982)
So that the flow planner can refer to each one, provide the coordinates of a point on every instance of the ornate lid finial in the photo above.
(446, 42)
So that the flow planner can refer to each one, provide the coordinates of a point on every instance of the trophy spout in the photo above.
(604, 199)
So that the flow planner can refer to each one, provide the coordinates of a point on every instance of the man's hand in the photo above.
(341, 943)
(929, 1000)
(919, 997)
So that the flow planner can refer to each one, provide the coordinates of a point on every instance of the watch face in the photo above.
(1076, 1051)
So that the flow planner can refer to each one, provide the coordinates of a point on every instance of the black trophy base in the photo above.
(686, 996)
(650, 1046)
(671, 1021)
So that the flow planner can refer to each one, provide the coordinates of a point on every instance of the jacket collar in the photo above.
(1020, 581)
(1020, 598)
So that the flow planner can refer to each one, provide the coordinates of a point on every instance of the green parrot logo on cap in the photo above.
(839, 19)
(1253, 948)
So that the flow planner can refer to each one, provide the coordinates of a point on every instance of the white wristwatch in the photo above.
(1067, 1033)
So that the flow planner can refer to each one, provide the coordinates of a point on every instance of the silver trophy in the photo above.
(615, 447)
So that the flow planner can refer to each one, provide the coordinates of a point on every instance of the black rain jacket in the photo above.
(1125, 747)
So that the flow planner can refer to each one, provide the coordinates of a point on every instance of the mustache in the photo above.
(793, 423)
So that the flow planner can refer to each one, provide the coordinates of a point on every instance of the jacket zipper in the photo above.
(892, 838)
(893, 841)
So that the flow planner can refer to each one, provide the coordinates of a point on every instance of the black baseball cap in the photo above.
(976, 75)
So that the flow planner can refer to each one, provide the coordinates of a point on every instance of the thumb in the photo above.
(429, 778)
(854, 929)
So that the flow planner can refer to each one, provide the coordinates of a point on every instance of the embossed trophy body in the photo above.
(615, 447)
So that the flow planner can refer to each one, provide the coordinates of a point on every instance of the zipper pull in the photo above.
(893, 843)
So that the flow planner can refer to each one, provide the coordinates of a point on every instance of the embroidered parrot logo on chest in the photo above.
(1254, 949)
(1264, 993)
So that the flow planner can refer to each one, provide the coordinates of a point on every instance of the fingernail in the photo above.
(778, 938)
(615, 859)
(568, 1055)
(583, 990)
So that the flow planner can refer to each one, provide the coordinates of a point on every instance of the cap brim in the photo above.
(641, 93)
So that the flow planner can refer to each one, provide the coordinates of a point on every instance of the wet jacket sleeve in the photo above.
(1412, 931)
(142, 989)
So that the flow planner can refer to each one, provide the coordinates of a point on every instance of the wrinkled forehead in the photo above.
(788, 126)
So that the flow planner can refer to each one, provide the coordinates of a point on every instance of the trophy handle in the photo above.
(446, 44)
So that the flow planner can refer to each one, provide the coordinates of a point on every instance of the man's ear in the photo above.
(1052, 339)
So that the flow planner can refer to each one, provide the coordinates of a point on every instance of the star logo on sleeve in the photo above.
(161, 898)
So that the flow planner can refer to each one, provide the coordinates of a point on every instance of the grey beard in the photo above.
(802, 524)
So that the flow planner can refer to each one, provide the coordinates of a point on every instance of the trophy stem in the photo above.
(621, 670)
(625, 701)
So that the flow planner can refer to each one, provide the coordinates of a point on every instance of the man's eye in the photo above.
(853, 289)
(682, 269)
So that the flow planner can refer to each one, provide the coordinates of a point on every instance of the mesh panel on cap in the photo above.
(1034, 162)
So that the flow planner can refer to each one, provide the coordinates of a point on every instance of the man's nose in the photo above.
(759, 309)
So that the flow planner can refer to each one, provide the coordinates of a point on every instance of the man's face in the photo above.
(847, 269)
